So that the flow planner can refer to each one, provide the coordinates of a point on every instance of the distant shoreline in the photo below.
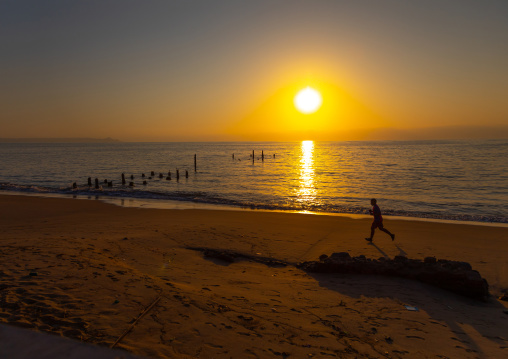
(58, 140)
(112, 140)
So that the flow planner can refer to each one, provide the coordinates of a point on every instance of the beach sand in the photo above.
(91, 271)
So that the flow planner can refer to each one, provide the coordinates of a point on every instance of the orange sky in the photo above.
(228, 70)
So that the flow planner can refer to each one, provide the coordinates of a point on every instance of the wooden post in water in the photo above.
(195, 164)
(132, 177)
(252, 156)
(110, 184)
(74, 185)
(153, 173)
(97, 183)
(144, 183)
(123, 179)
(177, 174)
(89, 181)
(105, 181)
(186, 174)
(131, 184)
(233, 156)
(262, 155)
(143, 175)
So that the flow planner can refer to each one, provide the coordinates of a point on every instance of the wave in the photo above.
(211, 199)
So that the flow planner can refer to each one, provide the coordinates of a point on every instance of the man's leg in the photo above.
(387, 232)
(372, 229)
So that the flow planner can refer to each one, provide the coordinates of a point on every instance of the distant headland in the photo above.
(58, 140)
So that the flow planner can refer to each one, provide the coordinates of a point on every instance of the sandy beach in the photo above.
(103, 274)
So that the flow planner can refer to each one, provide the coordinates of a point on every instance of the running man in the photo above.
(378, 221)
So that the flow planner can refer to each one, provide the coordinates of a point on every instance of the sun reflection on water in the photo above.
(306, 191)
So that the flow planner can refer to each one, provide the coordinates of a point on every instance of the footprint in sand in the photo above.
(400, 351)
(441, 324)
(213, 346)
(113, 278)
(416, 329)
(73, 333)
(22, 324)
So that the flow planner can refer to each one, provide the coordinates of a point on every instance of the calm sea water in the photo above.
(458, 180)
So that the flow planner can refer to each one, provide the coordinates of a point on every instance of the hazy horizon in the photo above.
(229, 70)
(383, 134)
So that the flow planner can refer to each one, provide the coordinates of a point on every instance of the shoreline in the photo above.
(87, 270)
(129, 202)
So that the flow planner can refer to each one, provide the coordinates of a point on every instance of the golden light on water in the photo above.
(307, 192)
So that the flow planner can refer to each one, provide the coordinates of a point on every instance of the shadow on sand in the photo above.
(383, 253)
(445, 307)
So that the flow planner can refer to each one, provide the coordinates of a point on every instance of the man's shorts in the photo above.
(377, 224)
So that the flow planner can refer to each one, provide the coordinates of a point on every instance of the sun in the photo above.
(308, 100)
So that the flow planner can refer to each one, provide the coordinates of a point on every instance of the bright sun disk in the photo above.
(308, 100)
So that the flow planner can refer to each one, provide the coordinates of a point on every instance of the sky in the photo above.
(185, 70)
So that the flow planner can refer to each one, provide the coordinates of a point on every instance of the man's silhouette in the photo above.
(378, 221)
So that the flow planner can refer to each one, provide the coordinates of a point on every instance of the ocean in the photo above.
(451, 180)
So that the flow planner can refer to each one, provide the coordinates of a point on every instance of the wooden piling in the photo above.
(161, 175)
(262, 156)
(123, 179)
(143, 175)
(186, 174)
(105, 181)
(177, 174)
(74, 185)
(252, 156)
(144, 183)
(153, 173)
(97, 183)
(233, 156)
(89, 181)
(131, 184)
(195, 164)
(110, 184)
(132, 177)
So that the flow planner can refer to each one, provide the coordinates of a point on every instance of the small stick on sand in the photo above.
(141, 315)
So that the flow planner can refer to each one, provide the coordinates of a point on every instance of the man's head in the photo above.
(373, 201)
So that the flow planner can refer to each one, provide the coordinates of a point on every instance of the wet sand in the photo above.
(103, 274)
